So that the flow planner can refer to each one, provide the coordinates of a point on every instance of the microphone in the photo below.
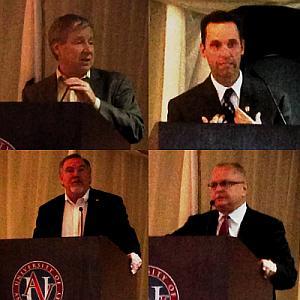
(81, 220)
(64, 95)
(211, 203)
(255, 74)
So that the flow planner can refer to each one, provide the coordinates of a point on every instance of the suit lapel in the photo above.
(57, 215)
(96, 83)
(245, 228)
(212, 223)
(212, 95)
(93, 202)
(248, 101)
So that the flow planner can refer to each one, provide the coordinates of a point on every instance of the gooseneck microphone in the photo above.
(81, 220)
(64, 95)
(211, 203)
(255, 74)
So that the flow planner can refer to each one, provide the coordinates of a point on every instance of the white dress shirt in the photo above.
(235, 97)
(71, 95)
(71, 225)
(234, 221)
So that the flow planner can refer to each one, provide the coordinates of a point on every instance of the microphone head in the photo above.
(212, 202)
(80, 209)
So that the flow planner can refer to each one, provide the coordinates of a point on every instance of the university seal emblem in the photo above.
(161, 285)
(37, 280)
(4, 145)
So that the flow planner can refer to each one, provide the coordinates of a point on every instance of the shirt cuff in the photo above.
(97, 103)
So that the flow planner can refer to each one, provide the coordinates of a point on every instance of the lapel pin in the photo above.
(247, 108)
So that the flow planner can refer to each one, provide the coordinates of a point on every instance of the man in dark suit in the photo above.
(71, 41)
(227, 95)
(83, 211)
(262, 234)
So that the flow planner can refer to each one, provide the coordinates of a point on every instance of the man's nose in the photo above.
(225, 51)
(88, 47)
(75, 172)
(219, 187)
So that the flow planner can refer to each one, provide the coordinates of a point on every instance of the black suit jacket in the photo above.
(202, 100)
(262, 234)
(106, 215)
(118, 104)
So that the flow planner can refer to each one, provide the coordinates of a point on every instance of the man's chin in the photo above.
(77, 190)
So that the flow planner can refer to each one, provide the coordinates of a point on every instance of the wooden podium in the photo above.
(214, 268)
(223, 136)
(90, 268)
(53, 126)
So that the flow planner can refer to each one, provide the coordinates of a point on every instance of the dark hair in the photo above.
(220, 16)
(233, 165)
(74, 155)
(62, 26)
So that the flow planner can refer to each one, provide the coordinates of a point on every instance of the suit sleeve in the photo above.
(123, 111)
(121, 233)
(286, 274)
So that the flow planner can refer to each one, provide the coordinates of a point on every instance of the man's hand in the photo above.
(216, 119)
(82, 89)
(135, 262)
(269, 268)
(241, 117)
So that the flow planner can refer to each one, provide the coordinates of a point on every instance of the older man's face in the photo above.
(76, 54)
(75, 176)
(229, 189)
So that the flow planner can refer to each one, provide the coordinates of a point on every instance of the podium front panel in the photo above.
(224, 137)
(90, 268)
(211, 268)
(39, 126)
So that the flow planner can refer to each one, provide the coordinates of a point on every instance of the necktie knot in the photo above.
(228, 108)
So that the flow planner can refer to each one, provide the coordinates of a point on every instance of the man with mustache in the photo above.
(84, 211)
(71, 40)
(262, 234)
(227, 95)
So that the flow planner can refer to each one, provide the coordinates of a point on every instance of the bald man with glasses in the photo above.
(262, 234)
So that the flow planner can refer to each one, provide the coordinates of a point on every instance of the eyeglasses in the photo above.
(225, 184)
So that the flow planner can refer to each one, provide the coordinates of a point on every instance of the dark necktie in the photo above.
(228, 108)
(224, 229)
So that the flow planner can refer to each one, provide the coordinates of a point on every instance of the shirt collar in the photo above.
(84, 201)
(237, 215)
(60, 75)
(221, 88)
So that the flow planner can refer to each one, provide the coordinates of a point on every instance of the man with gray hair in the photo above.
(262, 234)
(84, 211)
(71, 40)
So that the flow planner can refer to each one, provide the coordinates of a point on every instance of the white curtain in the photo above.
(31, 49)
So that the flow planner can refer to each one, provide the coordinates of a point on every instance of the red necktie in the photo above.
(224, 229)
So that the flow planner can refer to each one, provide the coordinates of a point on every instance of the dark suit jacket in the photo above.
(106, 215)
(262, 234)
(118, 104)
(202, 100)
